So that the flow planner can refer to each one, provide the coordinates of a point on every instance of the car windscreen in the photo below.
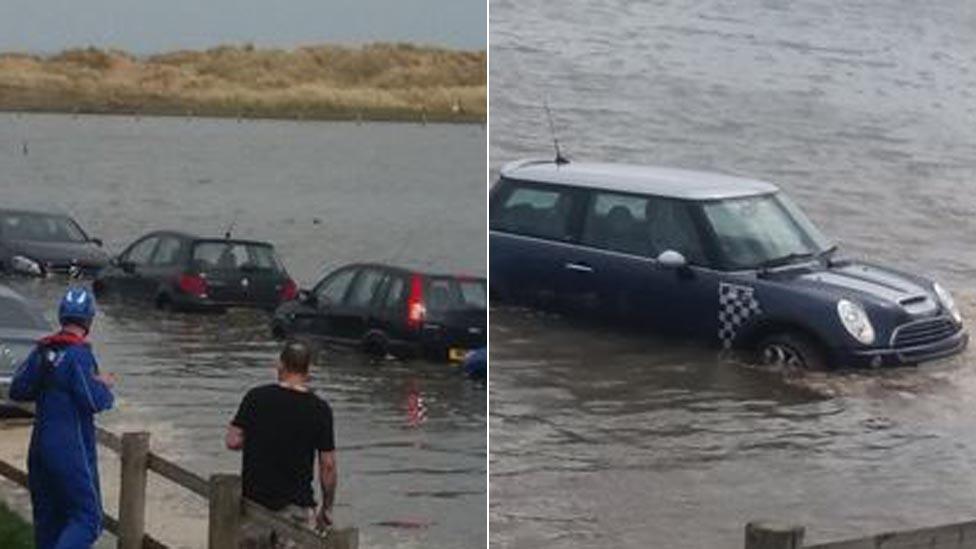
(451, 294)
(16, 315)
(757, 230)
(40, 228)
(12, 353)
(221, 255)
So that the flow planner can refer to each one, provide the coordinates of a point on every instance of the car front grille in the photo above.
(923, 332)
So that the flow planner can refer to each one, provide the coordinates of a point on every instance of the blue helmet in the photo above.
(77, 307)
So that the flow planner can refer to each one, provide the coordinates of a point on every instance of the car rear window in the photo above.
(451, 294)
(14, 314)
(474, 293)
(232, 256)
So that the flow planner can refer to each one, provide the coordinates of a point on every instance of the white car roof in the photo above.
(667, 182)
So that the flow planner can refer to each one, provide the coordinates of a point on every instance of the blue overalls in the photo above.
(59, 376)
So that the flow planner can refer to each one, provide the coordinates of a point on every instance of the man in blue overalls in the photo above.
(61, 376)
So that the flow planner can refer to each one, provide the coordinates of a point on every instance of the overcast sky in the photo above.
(144, 26)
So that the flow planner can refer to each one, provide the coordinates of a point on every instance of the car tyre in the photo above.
(791, 350)
(164, 303)
(375, 344)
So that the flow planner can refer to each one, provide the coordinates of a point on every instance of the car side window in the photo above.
(168, 251)
(617, 222)
(538, 211)
(394, 295)
(333, 290)
(641, 225)
(140, 252)
(363, 291)
(671, 227)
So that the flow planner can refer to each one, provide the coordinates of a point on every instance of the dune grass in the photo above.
(371, 82)
(14, 532)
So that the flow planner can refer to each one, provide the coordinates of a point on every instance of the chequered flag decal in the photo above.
(736, 304)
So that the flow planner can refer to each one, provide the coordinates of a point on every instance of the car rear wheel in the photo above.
(164, 303)
(375, 344)
(791, 350)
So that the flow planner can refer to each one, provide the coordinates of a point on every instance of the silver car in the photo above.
(21, 325)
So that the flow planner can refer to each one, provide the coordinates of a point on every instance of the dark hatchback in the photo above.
(38, 243)
(713, 257)
(386, 309)
(175, 270)
(21, 325)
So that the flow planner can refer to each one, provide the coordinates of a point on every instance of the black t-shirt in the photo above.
(283, 431)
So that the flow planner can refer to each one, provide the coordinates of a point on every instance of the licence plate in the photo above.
(456, 355)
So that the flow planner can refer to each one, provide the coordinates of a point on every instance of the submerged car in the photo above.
(718, 258)
(21, 326)
(386, 309)
(39, 243)
(175, 270)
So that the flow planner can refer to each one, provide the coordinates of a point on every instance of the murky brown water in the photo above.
(864, 112)
(325, 194)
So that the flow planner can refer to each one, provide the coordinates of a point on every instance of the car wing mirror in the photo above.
(126, 266)
(670, 259)
(96, 241)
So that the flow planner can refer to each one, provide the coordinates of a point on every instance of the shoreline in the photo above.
(405, 118)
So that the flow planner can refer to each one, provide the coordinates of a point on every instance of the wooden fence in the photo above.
(228, 510)
(950, 536)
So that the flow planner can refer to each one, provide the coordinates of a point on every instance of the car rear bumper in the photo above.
(893, 356)
(444, 341)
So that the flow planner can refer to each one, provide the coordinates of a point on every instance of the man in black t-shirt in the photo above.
(281, 428)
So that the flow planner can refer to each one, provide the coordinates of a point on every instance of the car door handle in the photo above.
(579, 267)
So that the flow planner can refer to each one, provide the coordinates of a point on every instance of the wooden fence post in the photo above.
(132, 490)
(346, 538)
(764, 535)
(225, 511)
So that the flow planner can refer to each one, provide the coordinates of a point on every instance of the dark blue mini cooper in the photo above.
(708, 256)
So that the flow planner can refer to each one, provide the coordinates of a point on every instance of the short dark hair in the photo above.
(296, 357)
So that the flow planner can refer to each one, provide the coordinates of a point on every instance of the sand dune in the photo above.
(372, 82)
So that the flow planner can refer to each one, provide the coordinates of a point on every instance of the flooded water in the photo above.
(325, 194)
(864, 112)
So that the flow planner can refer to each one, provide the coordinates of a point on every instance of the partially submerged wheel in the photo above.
(791, 350)
(375, 344)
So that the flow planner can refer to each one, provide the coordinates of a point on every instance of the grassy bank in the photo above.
(373, 82)
(14, 532)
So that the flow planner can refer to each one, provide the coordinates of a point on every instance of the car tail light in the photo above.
(288, 291)
(416, 310)
(193, 285)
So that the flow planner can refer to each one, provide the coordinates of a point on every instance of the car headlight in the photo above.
(950, 304)
(855, 320)
(24, 265)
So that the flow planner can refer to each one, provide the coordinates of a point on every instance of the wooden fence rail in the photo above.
(960, 535)
(228, 509)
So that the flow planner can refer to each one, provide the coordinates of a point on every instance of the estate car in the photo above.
(175, 270)
(387, 309)
(40, 243)
(725, 259)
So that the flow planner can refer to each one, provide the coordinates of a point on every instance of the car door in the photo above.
(131, 278)
(350, 318)
(316, 317)
(621, 238)
(161, 270)
(531, 237)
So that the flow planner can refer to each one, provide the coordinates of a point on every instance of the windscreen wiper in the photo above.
(784, 260)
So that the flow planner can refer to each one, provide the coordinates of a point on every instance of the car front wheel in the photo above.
(791, 350)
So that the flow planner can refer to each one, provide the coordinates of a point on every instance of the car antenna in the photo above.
(560, 159)
(230, 228)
